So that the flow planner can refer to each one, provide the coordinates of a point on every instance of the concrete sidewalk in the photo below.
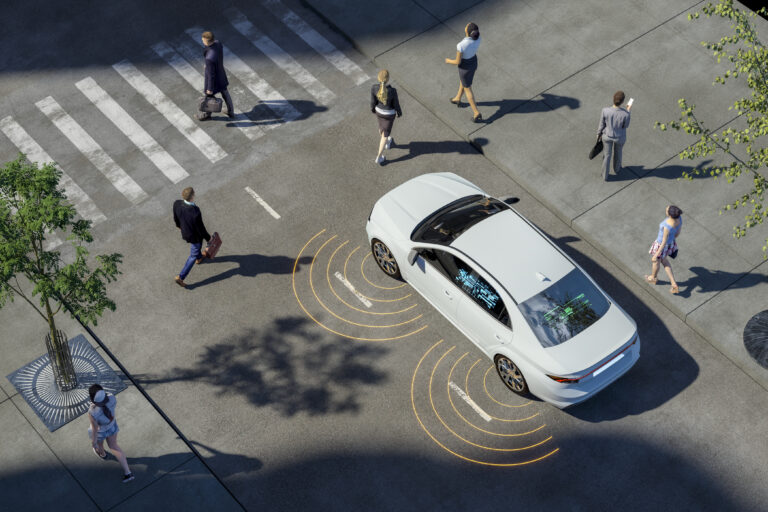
(545, 71)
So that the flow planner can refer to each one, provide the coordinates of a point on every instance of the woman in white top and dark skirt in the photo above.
(386, 106)
(466, 60)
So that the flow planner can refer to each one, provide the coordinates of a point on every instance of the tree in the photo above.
(32, 207)
(748, 58)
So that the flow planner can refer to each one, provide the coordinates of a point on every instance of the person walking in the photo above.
(189, 220)
(103, 425)
(215, 76)
(666, 246)
(614, 122)
(466, 60)
(385, 105)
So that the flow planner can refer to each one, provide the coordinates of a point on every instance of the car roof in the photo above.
(523, 261)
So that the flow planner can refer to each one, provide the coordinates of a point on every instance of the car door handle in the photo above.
(448, 294)
(500, 338)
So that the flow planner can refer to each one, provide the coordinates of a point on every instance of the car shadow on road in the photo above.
(663, 370)
(547, 102)
(250, 265)
(423, 147)
(289, 366)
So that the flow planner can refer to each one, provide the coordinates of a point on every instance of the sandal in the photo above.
(674, 289)
(650, 280)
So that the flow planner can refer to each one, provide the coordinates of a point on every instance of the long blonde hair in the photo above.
(383, 79)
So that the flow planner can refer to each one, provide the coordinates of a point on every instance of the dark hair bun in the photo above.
(474, 34)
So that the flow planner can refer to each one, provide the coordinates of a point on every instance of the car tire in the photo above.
(510, 374)
(384, 259)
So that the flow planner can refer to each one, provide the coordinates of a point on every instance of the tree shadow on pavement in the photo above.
(641, 389)
(417, 148)
(286, 366)
(706, 281)
(547, 102)
(250, 265)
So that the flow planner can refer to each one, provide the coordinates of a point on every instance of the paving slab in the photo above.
(189, 484)
(444, 9)
(144, 436)
(32, 476)
(374, 33)
(722, 319)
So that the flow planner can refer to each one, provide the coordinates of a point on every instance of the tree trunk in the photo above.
(59, 355)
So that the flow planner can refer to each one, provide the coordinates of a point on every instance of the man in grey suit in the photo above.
(614, 122)
(215, 76)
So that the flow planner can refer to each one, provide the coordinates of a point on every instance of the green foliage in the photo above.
(747, 58)
(31, 207)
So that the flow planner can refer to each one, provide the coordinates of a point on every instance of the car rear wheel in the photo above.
(511, 375)
(384, 259)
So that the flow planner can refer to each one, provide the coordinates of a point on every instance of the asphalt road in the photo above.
(299, 395)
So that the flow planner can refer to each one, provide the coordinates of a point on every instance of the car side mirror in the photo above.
(413, 255)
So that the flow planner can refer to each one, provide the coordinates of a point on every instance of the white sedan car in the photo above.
(545, 323)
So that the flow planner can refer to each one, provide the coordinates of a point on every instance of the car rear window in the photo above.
(447, 224)
(566, 308)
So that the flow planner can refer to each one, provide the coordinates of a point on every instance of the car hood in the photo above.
(414, 200)
(592, 346)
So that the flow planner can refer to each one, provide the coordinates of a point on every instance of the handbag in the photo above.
(210, 104)
(673, 254)
(596, 149)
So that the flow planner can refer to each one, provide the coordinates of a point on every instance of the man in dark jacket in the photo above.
(215, 76)
(189, 220)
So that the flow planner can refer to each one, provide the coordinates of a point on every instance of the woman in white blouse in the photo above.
(466, 60)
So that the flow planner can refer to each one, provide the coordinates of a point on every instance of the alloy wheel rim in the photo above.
(384, 258)
(510, 374)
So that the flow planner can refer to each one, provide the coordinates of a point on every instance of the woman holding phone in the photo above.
(466, 60)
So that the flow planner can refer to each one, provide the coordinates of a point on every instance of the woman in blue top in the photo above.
(101, 415)
(666, 244)
(466, 60)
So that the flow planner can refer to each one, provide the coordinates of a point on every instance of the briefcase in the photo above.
(212, 249)
(210, 104)
(596, 149)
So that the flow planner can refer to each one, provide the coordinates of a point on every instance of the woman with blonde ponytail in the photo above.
(385, 105)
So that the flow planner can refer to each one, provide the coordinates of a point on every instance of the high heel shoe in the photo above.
(478, 118)
(455, 102)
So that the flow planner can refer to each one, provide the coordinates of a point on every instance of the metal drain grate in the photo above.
(756, 338)
(36, 384)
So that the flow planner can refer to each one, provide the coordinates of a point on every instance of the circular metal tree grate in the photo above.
(756, 338)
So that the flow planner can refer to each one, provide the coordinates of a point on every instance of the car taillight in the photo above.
(564, 380)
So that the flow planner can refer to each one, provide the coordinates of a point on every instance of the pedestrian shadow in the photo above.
(288, 365)
(547, 102)
(266, 113)
(250, 265)
(418, 147)
(706, 281)
(639, 390)
(667, 172)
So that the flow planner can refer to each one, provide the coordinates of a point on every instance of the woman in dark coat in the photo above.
(385, 105)
(466, 60)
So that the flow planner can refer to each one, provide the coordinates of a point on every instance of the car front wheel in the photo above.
(511, 375)
(384, 258)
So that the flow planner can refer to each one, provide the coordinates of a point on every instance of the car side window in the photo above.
(483, 294)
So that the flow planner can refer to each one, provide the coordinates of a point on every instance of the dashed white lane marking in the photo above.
(279, 56)
(351, 288)
(196, 80)
(131, 129)
(471, 402)
(91, 149)
(262, 202)
(257, 85)
(313, 38)
(170, 111)
(27, 145)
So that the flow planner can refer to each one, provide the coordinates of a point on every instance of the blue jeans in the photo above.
(194, 254)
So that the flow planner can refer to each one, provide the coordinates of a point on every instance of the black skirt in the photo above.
(385, 123)
(467, 68)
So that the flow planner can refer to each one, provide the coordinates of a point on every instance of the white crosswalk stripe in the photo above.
(196, 80)
(91, 149)
(257, 85)
(126, 124)
(279, 56)
(313, 38)
(27, 145)
(170, 111)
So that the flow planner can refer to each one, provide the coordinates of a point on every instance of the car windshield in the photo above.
(564, 309)
(448, 223)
